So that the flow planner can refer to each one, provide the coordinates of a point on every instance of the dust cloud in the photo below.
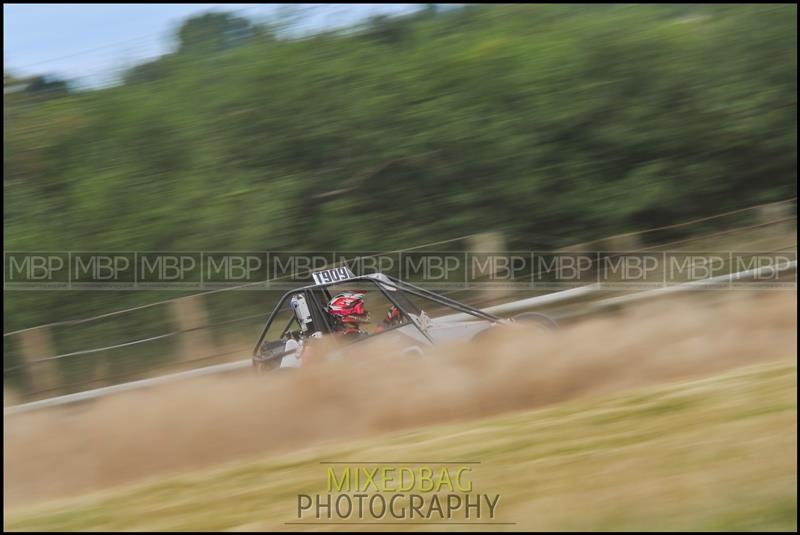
(199, 423)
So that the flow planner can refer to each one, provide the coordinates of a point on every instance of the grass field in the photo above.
(711, 454)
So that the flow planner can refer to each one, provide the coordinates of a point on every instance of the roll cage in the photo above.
(394, 290)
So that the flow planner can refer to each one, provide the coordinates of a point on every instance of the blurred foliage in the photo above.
(213, 32)
(571, 122)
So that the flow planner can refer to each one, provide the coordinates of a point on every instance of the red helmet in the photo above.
(348, 307)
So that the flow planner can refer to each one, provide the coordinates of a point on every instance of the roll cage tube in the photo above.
(317, 316)
(427, 294)
(322, 321)
(270, 319)
(393, 299)
(319, 319)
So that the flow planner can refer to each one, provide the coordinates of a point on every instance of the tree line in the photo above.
(554, 123)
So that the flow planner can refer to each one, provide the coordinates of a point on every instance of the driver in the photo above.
(348, 312)
(392, 319)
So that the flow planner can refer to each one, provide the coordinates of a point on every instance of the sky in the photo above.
(91, 42)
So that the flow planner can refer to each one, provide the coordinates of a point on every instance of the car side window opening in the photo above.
(283, 324)
(304, 313)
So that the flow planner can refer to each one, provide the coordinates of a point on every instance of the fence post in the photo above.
(11, 397)
(625, 242)
(189, 314)
(774, 213)
(36, 344)
(481, 246)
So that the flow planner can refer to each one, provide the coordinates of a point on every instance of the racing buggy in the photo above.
(336, 307)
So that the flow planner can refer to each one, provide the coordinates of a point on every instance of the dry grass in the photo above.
(712, 454)
(197, 423)
(612, 454)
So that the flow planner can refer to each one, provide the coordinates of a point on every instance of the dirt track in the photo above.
(204, 422)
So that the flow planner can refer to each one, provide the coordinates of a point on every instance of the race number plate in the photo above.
(327, 276)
